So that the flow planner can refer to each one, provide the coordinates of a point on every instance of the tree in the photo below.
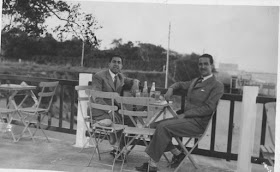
(82, 26)
(30, 15)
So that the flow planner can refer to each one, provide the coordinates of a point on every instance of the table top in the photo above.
(16, 87)
(161, 103)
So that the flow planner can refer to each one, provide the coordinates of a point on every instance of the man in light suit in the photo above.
(112, 80)
(202, 99)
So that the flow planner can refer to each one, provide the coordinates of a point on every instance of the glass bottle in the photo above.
(135, 88)
(145, 90)
(153, 89)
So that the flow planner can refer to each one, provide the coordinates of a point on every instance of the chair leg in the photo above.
(96, 148)
(38, 127)
(87, 142)
(26, 126)
(188, 154)
(23, 131)
(44, 134)
(124, 152)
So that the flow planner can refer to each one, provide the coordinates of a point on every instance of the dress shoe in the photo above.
(115, 152)
(145, 167)
(176, 160)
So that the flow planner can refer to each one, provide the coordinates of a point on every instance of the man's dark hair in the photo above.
(115, 55)
(207, 56)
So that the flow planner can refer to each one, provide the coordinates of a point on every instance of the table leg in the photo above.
(155, 117)
(172, 112)
(9, 125)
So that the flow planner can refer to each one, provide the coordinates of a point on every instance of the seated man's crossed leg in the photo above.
(162, 141)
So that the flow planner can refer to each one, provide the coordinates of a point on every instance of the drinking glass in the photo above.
(157, 95)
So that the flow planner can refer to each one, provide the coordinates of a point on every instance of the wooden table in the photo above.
(13, 90)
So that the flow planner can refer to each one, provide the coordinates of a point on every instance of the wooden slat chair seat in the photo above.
(113, 127)
(136, 131)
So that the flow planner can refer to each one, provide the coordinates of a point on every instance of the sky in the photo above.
(246, 35)
(243, 35)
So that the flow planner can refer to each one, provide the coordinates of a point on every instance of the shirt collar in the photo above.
(112, 75)
(206, 77)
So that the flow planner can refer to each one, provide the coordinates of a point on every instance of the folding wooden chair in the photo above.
(196, 141)
(83, 97)
(100, 132)
(134, 134)
(7, 114)
(39, 110)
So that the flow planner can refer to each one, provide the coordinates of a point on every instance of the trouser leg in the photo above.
(165, 130)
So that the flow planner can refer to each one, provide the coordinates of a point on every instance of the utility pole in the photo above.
(167, 58)
(83, 50)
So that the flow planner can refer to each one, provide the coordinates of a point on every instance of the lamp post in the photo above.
(167, 58)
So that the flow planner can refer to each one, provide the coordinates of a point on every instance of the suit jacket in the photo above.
(202, 99)
(102, 81)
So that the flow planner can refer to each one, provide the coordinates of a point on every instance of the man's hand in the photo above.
(168, 94)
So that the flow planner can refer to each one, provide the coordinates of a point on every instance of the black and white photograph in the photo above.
(151, 86)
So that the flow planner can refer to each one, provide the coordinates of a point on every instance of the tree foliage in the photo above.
(30, 15)
(137, 56)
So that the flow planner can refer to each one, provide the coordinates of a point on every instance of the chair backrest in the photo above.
(206, 128)
(102, 95)
(46, 94)
(141, 108)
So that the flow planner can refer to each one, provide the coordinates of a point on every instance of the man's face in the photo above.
(204, 66)
(115, 65)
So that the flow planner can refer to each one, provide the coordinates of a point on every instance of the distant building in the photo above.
(228, 67)
(235, 79)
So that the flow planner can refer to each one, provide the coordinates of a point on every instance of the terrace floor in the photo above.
(62, 155)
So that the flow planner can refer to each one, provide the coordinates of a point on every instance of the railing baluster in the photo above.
(263, 131)
(230, 129)
(72, 108)
(61, 106)
(213, 133)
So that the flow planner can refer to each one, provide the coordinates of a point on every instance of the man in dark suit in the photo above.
(202, 99)
(112, 80)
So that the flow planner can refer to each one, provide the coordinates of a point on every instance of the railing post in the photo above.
(248, 124)
(81, 139)
(230, 129)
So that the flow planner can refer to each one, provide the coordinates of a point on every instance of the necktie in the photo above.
(199, 80)
(115, 81)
